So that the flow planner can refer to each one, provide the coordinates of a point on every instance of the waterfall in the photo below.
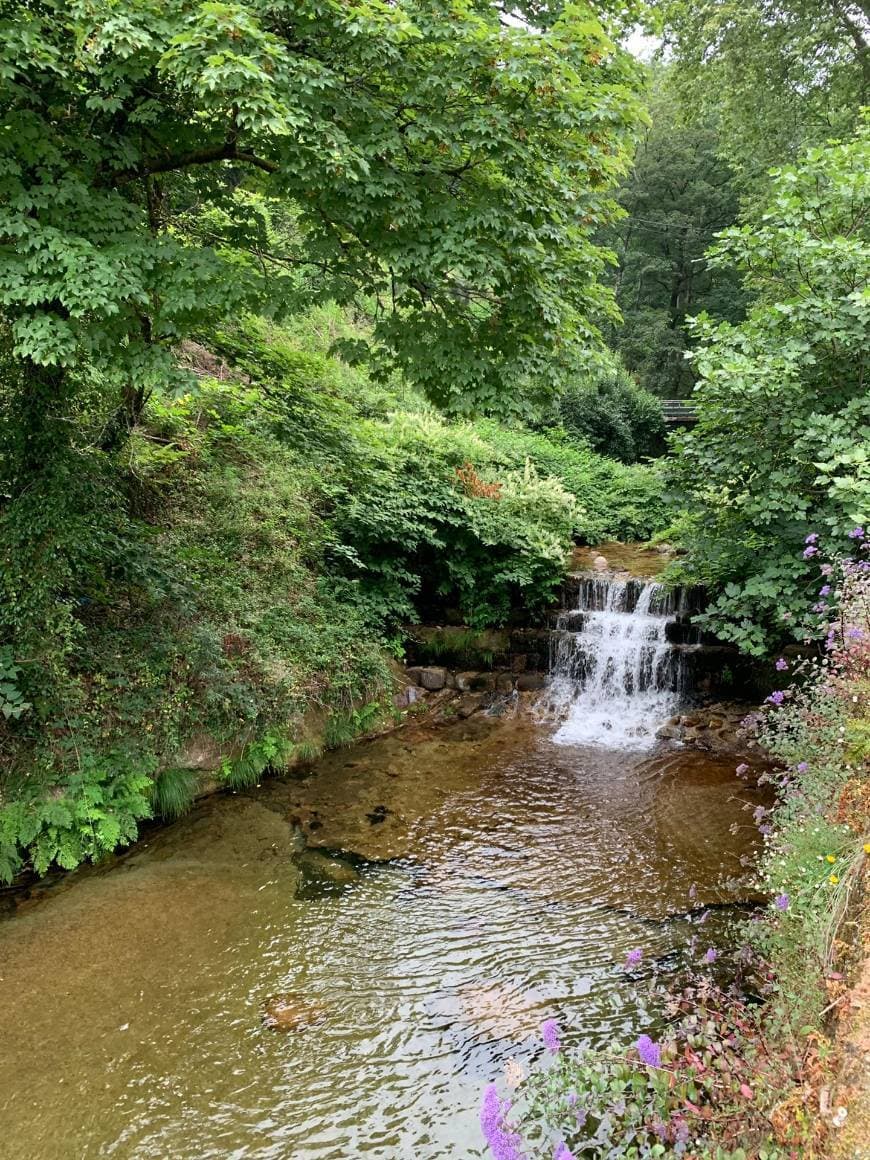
(615, 678)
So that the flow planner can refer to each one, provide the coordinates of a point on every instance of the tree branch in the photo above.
(225, 151)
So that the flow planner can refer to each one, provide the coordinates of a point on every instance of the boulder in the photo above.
(504, 683)
(531, 682)
(433, 678)
(409, 696)
(290, 1012)
(600, 564)
(465, 681)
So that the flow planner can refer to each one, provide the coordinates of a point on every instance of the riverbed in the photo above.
(497, 879)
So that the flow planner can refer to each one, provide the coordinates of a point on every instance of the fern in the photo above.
(98, 810)
(272, 751)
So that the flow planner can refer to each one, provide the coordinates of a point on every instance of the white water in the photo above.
(615, 677)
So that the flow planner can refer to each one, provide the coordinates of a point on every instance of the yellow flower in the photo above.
(833, 879)
(830, 858)
(867, 847)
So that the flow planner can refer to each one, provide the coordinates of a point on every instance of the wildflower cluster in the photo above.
(698, 1090)
(815, 854)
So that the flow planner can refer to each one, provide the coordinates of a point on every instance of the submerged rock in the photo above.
(290, 1012)
(320, 872)
(496, 1010)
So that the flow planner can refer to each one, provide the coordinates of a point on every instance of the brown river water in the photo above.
(505, 880)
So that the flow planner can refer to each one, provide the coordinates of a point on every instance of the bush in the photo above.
(614, 500)
(429, 533)
(614, 416)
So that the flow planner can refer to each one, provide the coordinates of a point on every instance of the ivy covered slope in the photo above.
(249, 555)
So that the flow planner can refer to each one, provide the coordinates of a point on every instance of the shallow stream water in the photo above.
(506, 878)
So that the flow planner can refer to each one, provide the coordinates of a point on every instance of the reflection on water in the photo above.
(506, 880)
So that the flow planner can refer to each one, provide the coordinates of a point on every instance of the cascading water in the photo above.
(615, 676)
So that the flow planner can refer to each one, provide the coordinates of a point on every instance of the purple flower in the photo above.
(759, 814)
(855, 634)
(649, 1051)
(827, 569)
(742, 770)
(802, 767)
(856, 534)
(781, 665)
(550, 1035)
(766, 830)
(812, 538)
(776, 698)
(711, 956)
(633, 957)
(825, 590)
(503, 1140)
(810, 552)
(562, 1152)
(781, 902)
(820, 607)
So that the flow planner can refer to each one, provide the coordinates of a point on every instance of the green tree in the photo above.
(780, 75)
(782, 446)
(450, 164)
(679, 194)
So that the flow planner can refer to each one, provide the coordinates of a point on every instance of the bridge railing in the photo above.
(679, 412)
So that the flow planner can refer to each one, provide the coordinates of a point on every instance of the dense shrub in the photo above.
(615, 500)
(615, 416)
(429, 533)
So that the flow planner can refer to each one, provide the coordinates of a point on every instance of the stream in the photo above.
(501, 871)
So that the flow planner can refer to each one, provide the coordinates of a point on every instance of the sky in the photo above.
(640, 45)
